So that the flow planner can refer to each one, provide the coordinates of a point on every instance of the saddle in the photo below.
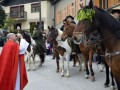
(74, 47)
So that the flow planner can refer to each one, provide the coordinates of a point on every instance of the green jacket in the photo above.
(40, 44)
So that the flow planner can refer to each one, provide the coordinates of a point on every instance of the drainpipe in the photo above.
(54, 15)
(40, 26)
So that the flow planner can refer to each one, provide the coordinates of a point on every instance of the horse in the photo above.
(67, 33)
(101, 21)
(62, 47)
(31, 50)
(85, 49)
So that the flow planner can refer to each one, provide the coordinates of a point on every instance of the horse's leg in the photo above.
(86, 65)
(80, 60)
(74, 60)
(57, 60)
(33, 56)
(107, 75)
(29, 61)
(90, 66)
(112, 81)
(42, 59)
(118, 84)
(103, 66)
(68, 60)
(42, 56)
(62, 66)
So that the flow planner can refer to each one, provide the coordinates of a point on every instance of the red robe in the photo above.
(9, 65)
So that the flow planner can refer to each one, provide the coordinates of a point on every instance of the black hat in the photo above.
(70, 17)
(115, 11)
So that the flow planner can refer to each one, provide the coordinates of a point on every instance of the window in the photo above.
(72, 4)
(42, 25)
(35, 7)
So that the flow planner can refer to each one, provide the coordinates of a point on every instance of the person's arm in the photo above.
(23, 46)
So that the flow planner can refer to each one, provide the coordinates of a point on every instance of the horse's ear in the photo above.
(81, 6)
(52, 26)
(91, 4)
(48, 27)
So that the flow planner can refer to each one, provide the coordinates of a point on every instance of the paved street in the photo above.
(45, 78)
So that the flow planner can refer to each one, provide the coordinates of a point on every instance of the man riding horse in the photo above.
(40, 44)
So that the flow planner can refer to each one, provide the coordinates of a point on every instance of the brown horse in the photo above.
(62, 47)
(109, 29)
(55, 51)
(86, 50)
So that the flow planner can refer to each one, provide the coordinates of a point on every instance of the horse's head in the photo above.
(52, 34)
(68, 30)
(87, 23)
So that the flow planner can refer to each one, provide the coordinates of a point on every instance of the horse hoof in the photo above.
(40, 65)
(34, 69)
(87, 77)
(93, 79)
(28, 69)
(112, 88)
(80, 69)
(101, 70)
(57, 71)
(105, 86)
(67, 76)
(62, 75)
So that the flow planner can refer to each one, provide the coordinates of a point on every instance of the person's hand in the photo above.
(19, 35)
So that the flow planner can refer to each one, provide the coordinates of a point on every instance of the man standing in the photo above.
(12, 67)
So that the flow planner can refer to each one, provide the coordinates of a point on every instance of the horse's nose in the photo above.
(62, 39)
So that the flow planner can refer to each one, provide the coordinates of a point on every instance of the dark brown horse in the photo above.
(86, 50)
(31, 51)
(109, 29)
(55, 43)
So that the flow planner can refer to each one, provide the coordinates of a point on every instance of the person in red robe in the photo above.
(12, 67)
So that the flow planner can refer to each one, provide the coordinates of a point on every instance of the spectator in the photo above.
(116, 14)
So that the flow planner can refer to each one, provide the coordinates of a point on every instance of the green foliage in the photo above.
(32, 26)
(9, 24)
(85, 14)
(2, 16)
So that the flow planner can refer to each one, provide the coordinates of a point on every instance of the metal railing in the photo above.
(18, 15)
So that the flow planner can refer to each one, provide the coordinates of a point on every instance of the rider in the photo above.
(116, 14)
(74, 47)
(40, 43)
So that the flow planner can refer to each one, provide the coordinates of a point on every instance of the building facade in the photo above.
(104, 4)
(64, 8)
(26, 12)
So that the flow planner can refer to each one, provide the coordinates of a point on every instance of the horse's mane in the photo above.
(109, 22)
(26, 37)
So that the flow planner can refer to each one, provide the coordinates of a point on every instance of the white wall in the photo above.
(34, 17)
